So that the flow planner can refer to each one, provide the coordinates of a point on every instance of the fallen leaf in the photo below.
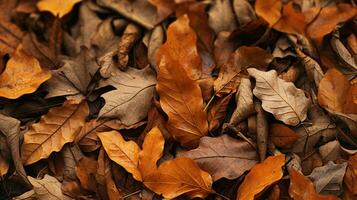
(127, 41)
(58, 127)
(261, 176)
(221, 16)
(283, 136)
(217, 112)
(262, 130)
(223, 156)
(286, 102)
(291, 21)
(131, 100)
(244, 101)
(351, 175)
(10, 35)
(48, 188)
(4, 166)
(152, 150)
(22, 75)
(269, 10)
(328, 178)
(244, 12)
(301, 188)
(85, 171)
(342, 52)
(74, 77)
(180, 176)
(57, 7)
(312, 68)
(124, 153)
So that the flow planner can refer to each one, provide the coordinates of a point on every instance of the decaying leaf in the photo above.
(301, 188)
(286, 102)
(260, 177)
(223, 156)
(180, 176)
(125, 153)
(131, 100)
(283, 136)
(22, 75)
(328, 178)
(58, 127)
(57, 7)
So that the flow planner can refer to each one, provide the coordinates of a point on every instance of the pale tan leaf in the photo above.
(58, 127)
(286, 102)
(312, 68)
(48, 188)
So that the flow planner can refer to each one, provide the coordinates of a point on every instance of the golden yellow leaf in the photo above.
(124, 153)
(153, 147)
(22, 75)
(57, 7)
(58, 127)
(261, 176)
(180, 176)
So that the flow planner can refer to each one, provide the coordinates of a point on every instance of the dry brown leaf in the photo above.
(180, 176)
(244, 12)
(181, 48)
(286, 102)
(333, 93)
(223, 156)
(85, 171)
(125, 153)
(22, 75)
(127, 41)
(58, 127)
(312, 68)
(291, 21)
(217, 112)
(87, 138)
(244, 101)
(269, 10)
(283, 136)
(221, 16)
(151, 152)
(301, 188)
(4, 166)
(324, 20)
(10, 35)
(351, 175)
(260, 177)
(57, 7)
(262, 130)
(180, 96)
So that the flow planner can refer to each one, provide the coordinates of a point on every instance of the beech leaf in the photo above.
(223, 156)
(58, 127)
(286, 102)
(124, 153)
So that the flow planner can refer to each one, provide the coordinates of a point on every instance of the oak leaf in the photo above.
(301, 188)
(57, 7)
(22, 75)
(286, 102)
(180, 176)
(223, 156)
(283, 136)
(131, 100)
(260, 177)
(58, 127)
(124, 153)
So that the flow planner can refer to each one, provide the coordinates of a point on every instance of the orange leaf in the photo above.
(283, 136)
(261, 176)
(269, 10)
(301, 188)
(57, 7)
(180, 176)
(124, 153)
(153, 147)
(291, 21)
(22, 75)
(351, 175)
(58, 127)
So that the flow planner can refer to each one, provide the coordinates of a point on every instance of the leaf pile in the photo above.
(168, 99)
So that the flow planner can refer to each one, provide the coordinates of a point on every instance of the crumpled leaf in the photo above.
(244, 101)
(260, 177)
(74, 77)
(22, 75)
(223, 156)
(180, 176)
(127, 41)
(286, 102)
(131, 100)
(301, 188)
(312, 68)
(333, 93)
(343, 53)
(228, 78)
(328, 178)
(221, 16)
(57, 7)
(48, 188)
(217, 112)
(125, 153)
(152, 150)
(283, 136)
(58, 127)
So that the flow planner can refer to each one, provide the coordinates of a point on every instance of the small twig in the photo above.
(131, 194)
